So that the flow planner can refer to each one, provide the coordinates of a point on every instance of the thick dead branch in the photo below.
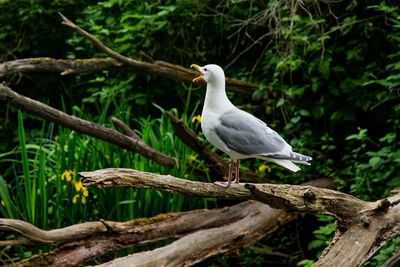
(118, 63)
(80, 243)
(288, 197)
(363, 227)
(82, 126)
(241, 225)
(217, 165)
(156, 68)
(203, 244)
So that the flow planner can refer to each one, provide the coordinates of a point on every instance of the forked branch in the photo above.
(363, 227)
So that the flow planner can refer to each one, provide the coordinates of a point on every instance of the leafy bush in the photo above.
(329, 83)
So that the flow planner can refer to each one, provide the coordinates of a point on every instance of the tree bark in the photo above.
(196, 247)
(80, 243)
(363, 227)
(156, 68)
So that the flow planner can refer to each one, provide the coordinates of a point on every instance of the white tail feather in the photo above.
(284, 163)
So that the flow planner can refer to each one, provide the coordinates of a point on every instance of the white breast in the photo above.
(209, 121)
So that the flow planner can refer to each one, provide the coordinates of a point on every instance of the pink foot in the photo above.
(223, 184)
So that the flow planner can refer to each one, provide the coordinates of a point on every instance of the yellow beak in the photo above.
(197, 68)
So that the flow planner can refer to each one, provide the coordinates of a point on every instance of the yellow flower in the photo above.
(196, 118)
(78, 186)
(85, 192)
(67, 175)
(56, 138)
(3, 203)
(191, 158)
(83, 200)
(74, 200)
(264, 167)
(186, 175)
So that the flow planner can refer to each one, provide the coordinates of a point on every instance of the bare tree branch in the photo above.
(281, 196)
(127, 130)
(363, 227)
(125, 141)
(203, 244)
(156, 68)
(118, 63)
(82, 126)
(80, 243)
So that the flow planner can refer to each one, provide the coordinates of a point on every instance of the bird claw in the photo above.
(223, 184)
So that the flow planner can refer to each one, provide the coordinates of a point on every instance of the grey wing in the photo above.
(244, 133)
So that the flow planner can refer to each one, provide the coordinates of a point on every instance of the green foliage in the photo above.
(329, 84)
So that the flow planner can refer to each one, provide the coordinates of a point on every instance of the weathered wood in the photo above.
(80, 243)
(85, 127)
(156, 68)
(370, 229)
(363, 227)
(300, 198)
(203, 244)
(118, 177)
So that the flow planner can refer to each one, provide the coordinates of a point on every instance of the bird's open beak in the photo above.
(197, 68)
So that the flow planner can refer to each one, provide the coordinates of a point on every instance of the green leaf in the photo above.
(374, 161)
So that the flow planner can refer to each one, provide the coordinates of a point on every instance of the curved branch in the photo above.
(253, 218)
(281, 196)
(130, 233)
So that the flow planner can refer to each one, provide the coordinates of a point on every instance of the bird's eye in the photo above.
(205, 69)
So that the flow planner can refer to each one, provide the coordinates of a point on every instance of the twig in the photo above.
(128, 131)
(97, 42)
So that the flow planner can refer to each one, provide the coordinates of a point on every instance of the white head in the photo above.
(211, 73)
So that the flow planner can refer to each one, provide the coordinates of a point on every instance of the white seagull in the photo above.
(238, 133)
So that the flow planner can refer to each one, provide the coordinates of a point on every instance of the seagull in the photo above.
(237, 133)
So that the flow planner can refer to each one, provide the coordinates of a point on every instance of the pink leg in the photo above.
(236, 181)
(228, 183)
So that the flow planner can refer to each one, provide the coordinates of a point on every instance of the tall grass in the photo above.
(40, 184)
